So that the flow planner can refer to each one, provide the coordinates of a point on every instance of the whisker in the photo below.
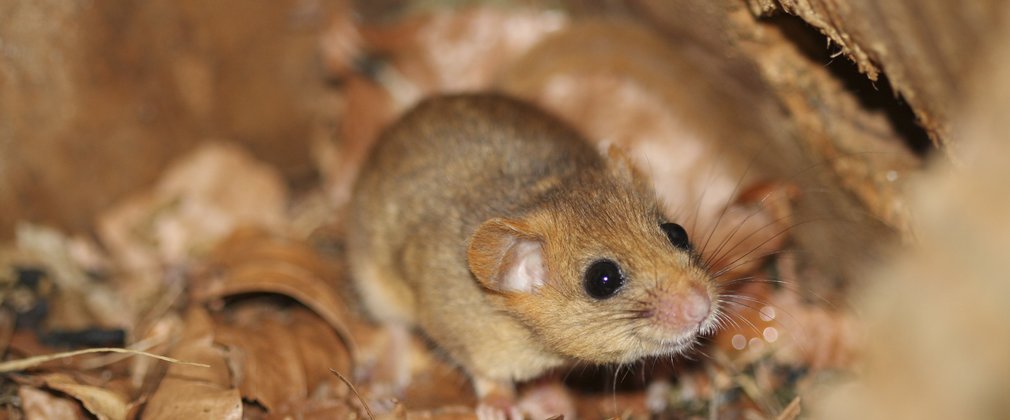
(742, 318)
(740, 263)
(716, 256)
(790, 330)
(773, 237)
(701, 200)
(739, 225)
(613, 390)
(725, 208)
(735, 298)
(723, 321)
(786, 285)
(728, 284)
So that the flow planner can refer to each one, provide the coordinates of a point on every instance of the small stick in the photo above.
(356, 394)
(29, 362)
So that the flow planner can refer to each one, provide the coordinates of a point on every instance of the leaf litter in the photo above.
(228, 275)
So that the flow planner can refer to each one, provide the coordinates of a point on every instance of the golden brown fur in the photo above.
(464, 189)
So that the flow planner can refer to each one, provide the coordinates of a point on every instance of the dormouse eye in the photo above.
(603, 279)
(677, 235)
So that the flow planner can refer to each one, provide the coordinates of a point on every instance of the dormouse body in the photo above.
(506, 238)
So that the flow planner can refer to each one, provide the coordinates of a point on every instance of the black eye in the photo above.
(677, 235)
(603, 278)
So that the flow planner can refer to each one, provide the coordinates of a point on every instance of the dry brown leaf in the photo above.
(278, 357)
(37, 404)
(321, 410)
(101, 402)
(249, 244)
(482, 40)
(200, 198)
(157, 336)
(265, 362)
(251, 263)
(281, 357)
(449, 412)
(197, 344)
(319, 353)
(191, 392)
(186, 399)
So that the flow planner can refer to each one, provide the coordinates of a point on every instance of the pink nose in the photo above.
(683, 311)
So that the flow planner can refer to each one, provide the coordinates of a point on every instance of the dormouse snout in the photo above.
(683, 311)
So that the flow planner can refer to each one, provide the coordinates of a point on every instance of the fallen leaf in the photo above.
(197, 344)
(200, 198)
(281, 357)
(104, 404)
(260, 263)
(37, 404)
(186, 399)
(321, 410)
(188, 392)
(319, 352)
(266, 364)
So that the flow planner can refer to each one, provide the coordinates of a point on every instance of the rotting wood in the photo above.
(924, 47)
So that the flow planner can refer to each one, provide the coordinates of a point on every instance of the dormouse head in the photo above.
(595, 271)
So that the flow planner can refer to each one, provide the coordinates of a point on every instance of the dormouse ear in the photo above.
(505, 256)
(623, 167)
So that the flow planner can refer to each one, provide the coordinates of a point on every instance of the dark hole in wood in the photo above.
(872, 95)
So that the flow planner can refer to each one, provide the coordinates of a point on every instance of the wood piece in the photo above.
(925, 47)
